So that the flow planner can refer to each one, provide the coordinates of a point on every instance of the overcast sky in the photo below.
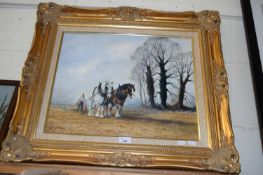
(87, 59)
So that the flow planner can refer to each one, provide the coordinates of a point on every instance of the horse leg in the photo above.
(117, 115)
(98, 111)
(101, 111)
(120, 110)
(110, 109)
(105, 110)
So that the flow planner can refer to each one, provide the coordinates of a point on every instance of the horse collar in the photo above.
(121, 96)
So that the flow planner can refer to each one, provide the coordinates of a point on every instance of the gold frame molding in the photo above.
(221, 154)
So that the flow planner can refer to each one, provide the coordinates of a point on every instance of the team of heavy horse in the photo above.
(103, 100)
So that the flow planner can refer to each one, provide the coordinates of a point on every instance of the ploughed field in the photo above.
(133, 123)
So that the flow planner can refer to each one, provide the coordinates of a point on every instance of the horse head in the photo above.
(131, 89)
(124, 91)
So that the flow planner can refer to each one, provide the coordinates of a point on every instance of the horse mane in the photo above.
(100, 91)
(94, 91)
(125, 86)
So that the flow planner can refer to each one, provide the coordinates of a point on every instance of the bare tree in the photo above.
(183, 69)
(146, 65)
(161, 50)
(138, 76)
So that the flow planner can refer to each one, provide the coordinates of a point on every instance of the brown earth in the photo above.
(144, 124)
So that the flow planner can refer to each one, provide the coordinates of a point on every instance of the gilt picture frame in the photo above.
(124, 87)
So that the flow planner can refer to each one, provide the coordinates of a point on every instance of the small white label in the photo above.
(181, 142)
(126, 140)
(192, 143)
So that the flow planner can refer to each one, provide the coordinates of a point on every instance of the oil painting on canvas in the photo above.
(124, 85)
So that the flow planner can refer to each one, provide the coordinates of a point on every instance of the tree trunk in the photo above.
(140, 92)
(150, 86)
(163, 84)
(180, 104)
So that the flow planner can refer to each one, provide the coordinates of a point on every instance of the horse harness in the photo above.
(121, 96)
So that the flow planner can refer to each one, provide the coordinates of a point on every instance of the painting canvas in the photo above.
(121, 85)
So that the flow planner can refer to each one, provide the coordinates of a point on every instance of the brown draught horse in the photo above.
(118, 97)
